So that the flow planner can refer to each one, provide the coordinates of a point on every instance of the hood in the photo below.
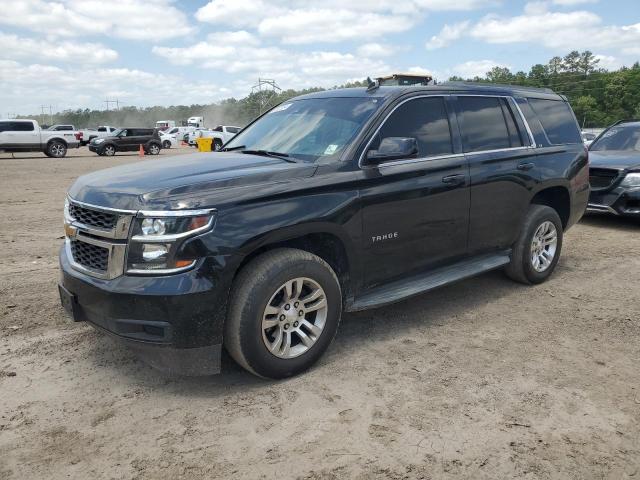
(615, 159)
(166, 181)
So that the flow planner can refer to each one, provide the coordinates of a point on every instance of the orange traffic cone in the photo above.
(141, 151)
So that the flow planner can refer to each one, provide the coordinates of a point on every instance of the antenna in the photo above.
(267, 89)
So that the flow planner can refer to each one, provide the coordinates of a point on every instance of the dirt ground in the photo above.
(482, 379)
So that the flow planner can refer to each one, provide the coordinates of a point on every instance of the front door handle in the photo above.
(454, 180)
(526, 166)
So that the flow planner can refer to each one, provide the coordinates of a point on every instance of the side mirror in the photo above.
(393, 148)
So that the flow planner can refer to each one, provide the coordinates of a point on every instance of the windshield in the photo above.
(118, 132)
(618, 138)
(309, 128)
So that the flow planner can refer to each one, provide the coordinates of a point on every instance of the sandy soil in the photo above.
(482, 379)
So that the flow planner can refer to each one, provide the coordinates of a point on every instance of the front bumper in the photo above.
(93, 148)
(172, 322)
(619, 201)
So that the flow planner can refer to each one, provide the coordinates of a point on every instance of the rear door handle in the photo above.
(453, 180)
(526, 166)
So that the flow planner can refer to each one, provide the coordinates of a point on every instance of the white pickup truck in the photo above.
(221, 135)
(26, 136)
(88, 134)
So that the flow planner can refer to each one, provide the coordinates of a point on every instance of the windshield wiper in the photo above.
(266, 153)
(230, 149)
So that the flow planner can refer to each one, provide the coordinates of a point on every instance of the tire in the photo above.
(56, 149)
(108, 150)
(540, 223)
(262, 283)
(217, 145)
(153, 149)
(166, 144)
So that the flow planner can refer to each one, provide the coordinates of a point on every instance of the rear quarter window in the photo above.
(557, 120)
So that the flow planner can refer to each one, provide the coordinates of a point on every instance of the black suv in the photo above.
(615, 170)
(128, 140)
(335, 201)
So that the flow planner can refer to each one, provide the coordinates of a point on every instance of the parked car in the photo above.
(588, 138)
(88, 134)
(341, 200)
(60, 128)
(173, 137)
(128, 140)
(221, 134)
(27, 136)
(614, 172)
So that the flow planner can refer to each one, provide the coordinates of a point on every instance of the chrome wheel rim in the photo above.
(294, 318)
(154, 149)
(109, 151)
(57, 150)
(544, 246)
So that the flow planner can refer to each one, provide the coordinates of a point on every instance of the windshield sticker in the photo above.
(282, 107)
(331, 149)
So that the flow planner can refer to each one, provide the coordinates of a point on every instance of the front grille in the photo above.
(90, 256)
(92, 218)
(601, 178)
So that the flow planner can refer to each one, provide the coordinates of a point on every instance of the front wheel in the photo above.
(537, 250)
(166, 144)
(284, 311)
(217, 145)
(109, 150)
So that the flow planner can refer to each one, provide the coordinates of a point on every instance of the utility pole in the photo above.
(42, 110)
(115, 102)
(267, 89)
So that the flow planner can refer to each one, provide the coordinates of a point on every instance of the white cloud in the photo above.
(131, 19)
(23, 87)
(14, 47)
(303, 69)
(373, 50)
(448, 34)
(475, 68)
(562, 31)
(328, 25)
(570, 3)
(304, 21)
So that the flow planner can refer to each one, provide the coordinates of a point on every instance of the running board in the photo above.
(401, 289)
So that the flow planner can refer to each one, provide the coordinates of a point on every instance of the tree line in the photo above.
(599, 97)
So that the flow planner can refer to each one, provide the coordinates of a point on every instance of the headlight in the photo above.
(98, 140)
(631, 180)
(157, 238)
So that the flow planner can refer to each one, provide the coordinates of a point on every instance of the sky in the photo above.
(71, 54)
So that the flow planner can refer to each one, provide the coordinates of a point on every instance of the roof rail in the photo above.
(497, 85)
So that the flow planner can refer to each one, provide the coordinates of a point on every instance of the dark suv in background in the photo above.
(336, 201)
(615, 170)
(128, 140)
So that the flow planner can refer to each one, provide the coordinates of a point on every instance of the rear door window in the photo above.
(488, 124)
(557, 119)
(424, 119)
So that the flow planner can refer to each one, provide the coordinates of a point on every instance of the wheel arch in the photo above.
(56, 139)
(556, 197)
(327, 241)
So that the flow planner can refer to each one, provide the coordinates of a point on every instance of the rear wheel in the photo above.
(56, 149)
(284, 311)
(153, 149)
(109, 150)
(537, 250)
